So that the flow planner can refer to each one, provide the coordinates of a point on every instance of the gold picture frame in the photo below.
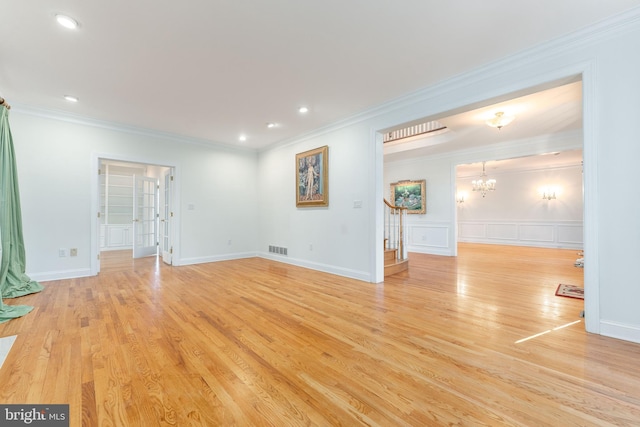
(411, 195)
(312, 178)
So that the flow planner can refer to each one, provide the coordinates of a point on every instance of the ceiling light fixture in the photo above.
(303, 110)
(71, 98)
(242, 138)
(67, 21)
(482, 184)
(500, 120)
(271, 125)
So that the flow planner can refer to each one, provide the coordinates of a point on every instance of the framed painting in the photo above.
(411, 195)
(312, 177)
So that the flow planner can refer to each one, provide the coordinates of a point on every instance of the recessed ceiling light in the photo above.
(271, 125)
(242, 138)
(303, 110)
(67, 21)
(71, 98)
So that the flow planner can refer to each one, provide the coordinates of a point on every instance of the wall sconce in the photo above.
(549, 193)
(460, 197)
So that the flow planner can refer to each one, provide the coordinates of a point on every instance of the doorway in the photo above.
(135, 210)
(535, 200)
(465, 145)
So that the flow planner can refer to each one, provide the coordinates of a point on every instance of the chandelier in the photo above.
(483, 184)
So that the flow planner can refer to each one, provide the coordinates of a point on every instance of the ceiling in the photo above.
(557, 110)
(212, 70)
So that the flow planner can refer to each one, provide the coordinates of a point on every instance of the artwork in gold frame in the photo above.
(411, 195)
(312, 178)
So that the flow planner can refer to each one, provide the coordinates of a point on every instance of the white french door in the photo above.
(167, 217)
(145, 216)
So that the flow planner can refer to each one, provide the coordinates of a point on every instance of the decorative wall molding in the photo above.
(544, 234)
(429, 238)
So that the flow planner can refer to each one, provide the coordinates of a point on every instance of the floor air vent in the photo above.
(277, 250)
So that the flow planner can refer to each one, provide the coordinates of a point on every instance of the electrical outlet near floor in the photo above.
(73, 252)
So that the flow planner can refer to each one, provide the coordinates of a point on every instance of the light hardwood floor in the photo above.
(254, 342)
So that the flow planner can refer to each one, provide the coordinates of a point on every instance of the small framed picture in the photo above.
(411, 195)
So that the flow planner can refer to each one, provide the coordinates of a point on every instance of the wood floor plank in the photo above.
(478, 339)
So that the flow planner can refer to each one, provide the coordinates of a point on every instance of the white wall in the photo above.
(336, 238)
(516, 214)
(604, 56)
(55, 166)
(517, 196)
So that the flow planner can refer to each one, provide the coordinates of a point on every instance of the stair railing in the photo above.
(395, 220)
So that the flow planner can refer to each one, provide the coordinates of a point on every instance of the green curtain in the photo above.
(13, 280)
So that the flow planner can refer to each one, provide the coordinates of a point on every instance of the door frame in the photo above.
(96, 157)
(587, 72)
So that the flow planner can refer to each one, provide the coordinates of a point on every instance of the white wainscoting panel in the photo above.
(429, 238)
(502, 231)
(551, 234)
(537, 232)
(472, 230)
(570, 234)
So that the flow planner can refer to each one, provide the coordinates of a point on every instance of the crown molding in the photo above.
(67, 117)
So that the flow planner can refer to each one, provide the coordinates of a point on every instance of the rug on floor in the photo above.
(571, 291)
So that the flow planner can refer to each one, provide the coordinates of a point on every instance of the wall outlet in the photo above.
(229, 242)
(310, 246)
(73, 252)
(62, 252)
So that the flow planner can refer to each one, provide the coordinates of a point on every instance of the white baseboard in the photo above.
(115, 248)
(60, 275)
(325, 268)
(429, 250)
(214, 258)
(620, 331)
